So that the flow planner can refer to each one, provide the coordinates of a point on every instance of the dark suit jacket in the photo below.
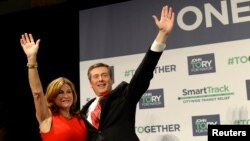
(117, 121)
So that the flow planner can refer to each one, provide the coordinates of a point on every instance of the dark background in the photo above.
(57, 27)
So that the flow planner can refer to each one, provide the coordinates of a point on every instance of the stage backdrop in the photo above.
(203, 76)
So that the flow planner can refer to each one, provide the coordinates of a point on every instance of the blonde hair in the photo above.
(53, 90)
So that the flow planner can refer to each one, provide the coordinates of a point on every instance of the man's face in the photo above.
(100, 80)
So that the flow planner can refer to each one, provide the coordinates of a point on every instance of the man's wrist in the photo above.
(157, 47)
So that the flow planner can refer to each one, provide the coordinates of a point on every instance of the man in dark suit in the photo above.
(118, 106)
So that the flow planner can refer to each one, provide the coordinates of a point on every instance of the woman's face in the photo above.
(64, 99)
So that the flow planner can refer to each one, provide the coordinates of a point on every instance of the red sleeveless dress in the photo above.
(63, 129)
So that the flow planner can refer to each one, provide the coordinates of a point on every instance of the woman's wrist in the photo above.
(32, 65)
